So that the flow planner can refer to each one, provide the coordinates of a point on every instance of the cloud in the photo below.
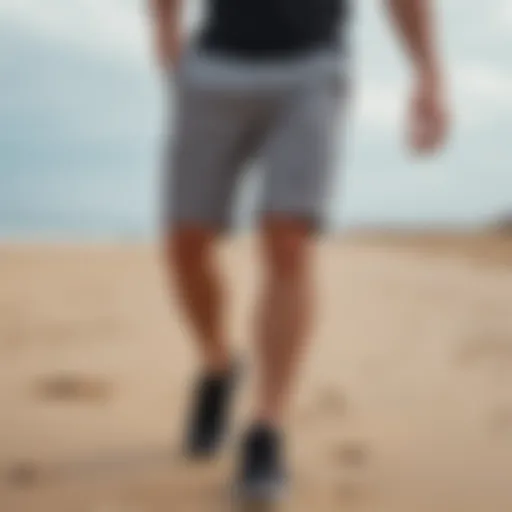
(485, 81)
(116, 29)
(107, 28)
(482, 94)
(503, 18)
(379, 106)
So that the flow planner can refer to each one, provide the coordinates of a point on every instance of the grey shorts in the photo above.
(229, 114)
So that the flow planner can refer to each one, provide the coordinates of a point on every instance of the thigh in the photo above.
(213, 134)
(299, 154)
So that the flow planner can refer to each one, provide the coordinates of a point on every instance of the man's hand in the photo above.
(428, 119)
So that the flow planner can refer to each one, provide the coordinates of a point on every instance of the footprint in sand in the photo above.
(495, 348)
(352, 454)
(255, 507)
(351, 458)
(501, 421)
(328, 403)
(344, 476)
(75, 388)
(24, 474)
(115, 507)
(351, 492)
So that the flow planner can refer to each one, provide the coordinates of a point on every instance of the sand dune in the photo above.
(405, 404)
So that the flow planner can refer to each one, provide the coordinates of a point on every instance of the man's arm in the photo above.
(167, 18)
(414, 20)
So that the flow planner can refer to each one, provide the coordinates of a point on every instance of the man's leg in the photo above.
(298, 160)
(190, 255)
(216, 132)
(283, 320)
(285, 311)
(214, 136)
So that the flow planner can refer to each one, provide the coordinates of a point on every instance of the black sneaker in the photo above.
(210, 414)
(262, 476)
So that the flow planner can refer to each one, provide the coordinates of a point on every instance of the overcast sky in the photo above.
(80, 95)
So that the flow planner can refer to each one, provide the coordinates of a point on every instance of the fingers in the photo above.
(428, 125)
(428, 132)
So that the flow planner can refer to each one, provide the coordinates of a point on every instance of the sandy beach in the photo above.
(405, 403)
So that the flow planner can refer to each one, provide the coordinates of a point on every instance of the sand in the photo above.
(405, 402)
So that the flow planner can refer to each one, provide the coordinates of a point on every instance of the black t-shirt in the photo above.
(273, 28)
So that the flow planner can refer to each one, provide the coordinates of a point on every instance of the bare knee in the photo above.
(286, 248)
(188, 249)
